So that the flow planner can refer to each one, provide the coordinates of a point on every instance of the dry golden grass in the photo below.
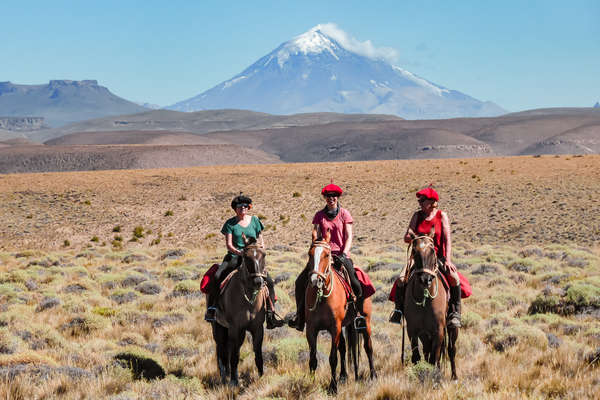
(68, 310)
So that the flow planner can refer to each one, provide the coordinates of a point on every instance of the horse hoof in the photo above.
(373, 375)
(332, 389)
(343, 378)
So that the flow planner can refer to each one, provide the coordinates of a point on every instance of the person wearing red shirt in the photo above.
(338, 221)
(421, 223)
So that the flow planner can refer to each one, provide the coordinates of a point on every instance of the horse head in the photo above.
(319, 259)
(423, 256)
(253, 262)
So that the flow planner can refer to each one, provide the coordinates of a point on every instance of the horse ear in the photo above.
(327, 237)
(432, 231)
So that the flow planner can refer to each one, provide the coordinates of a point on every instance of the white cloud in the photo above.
(365, 48)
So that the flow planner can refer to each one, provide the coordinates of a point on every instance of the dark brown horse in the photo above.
(426, 305)
(241, 309)
(327, 309)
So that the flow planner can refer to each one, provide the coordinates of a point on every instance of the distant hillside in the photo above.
(61, 102)
(534, 132)
(84, 158)
(202, 122)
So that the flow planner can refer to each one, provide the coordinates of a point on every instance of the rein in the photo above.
(327, 274)
(431, 271)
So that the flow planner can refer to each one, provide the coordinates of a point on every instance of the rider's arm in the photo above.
(447, 237)
(316, 230)
(348, 242)
(229, 243)
(261, 241)
(411, 227)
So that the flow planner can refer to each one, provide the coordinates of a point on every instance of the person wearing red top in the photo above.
(421, 223)
(338, 221)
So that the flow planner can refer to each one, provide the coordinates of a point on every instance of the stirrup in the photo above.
(396, 317)
(273, 322)
(360, 323)
(211, 314)
(453, 322)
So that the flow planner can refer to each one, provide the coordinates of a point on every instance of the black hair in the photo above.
(241, 199)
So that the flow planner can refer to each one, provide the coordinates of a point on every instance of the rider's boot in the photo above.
(272, 320)
(453, 319)
(360, 322)
(396, 317)
(211, 301)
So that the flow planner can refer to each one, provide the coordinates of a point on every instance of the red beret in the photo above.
(428, 193)
(332, 188)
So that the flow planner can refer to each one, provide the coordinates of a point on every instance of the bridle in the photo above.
(247, 275)
(423, 246)
(324, 280)
(428, 244)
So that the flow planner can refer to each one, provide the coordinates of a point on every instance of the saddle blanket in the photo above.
(365, 282)
(465, 288)
(208, 276)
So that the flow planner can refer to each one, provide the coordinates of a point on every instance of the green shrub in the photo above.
(94, 239)
(117, 228)
(296, 194)
(138, 232)
(169, 213)
(66, 243)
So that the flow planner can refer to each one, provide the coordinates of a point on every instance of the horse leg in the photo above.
(352, 339)
(342, 350)
(369, 350)
(311, 337)
(436, 348)
(257, 340)
(335, 340)
(234, 344)
(452, 336)
(220, 336)
(414, 344)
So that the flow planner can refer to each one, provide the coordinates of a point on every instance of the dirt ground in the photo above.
(521, 200)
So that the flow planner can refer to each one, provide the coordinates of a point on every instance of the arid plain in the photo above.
(96, 264)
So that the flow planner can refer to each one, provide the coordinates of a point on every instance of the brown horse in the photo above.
(241, 308)
(426, 305)
(327, 309)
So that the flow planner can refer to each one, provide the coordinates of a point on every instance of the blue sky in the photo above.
(519, 54)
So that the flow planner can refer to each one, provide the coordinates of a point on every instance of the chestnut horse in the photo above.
(327, 309)
(426, 305)
(241, 308)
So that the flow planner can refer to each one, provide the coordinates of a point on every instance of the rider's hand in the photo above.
(449, 266)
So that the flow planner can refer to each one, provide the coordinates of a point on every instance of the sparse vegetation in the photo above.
(68, 310)
(169, 213)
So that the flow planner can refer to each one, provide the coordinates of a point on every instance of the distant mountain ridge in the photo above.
(315, 73)
(61, 102)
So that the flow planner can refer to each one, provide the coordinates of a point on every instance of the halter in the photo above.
(432, 272)
(247, 273)
(326, 275)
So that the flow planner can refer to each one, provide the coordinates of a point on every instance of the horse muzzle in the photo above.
(258, 281)
(315, 281)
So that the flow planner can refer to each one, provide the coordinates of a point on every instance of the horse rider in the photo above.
(421, 223)
(338, 222)
(251, 227)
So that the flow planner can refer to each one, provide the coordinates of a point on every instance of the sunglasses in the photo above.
(242, 206)
(331, 195)
(423, 199)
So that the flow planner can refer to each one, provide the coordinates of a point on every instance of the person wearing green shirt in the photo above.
(251, 227)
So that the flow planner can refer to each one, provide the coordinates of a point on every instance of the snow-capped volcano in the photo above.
(325, 70)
